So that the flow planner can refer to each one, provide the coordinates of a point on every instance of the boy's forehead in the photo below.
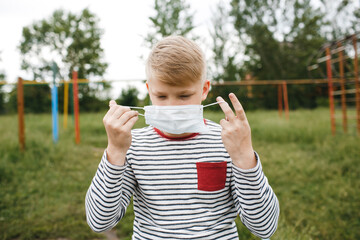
(157, 87)
(175, 90)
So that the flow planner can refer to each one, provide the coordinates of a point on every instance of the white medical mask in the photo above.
(176, 119)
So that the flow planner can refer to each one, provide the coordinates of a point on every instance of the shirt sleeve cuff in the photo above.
(249, 172)
(112, 167)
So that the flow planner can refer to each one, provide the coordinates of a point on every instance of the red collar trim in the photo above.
(177, 138)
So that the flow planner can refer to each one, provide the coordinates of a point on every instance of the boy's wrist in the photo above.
(115, 156)
(246, 160)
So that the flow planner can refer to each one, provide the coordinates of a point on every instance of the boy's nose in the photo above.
(173, 102)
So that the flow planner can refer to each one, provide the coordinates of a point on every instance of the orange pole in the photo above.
(76, 108)
(357, 87)
(286, 102)
(280, 105)
(20, 106)
(343, 95)
(330, 87)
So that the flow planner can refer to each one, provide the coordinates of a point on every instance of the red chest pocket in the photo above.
(211, 175)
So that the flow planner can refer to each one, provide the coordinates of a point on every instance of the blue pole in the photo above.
(54, 106)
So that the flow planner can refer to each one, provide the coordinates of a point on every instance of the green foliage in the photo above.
(37, 99)
(226, 62)
(279, 37)
(128, 97)
(342, 16)
(2, 95)
(70, 41)
(172, 17)
(2, 100)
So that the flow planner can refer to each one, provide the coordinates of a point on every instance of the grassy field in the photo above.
(315, 176)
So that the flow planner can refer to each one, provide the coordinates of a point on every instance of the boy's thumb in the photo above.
(112, 103)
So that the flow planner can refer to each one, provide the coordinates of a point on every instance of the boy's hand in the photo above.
(118, 122)
(236, 134)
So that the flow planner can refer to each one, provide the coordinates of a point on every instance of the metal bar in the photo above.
(280, 99)
(76, 108)
(20, 107)
(348, 91)
(343, 94)
(357, 87)
(330, 89)
(286, 103)
(275, 82)
(339, 49)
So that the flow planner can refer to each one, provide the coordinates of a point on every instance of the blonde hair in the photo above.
(176, 60)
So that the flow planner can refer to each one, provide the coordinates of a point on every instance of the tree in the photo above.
(226, 50)
(342, 17)
(279, 36)
(70, 41)
(279, 39)
(172, 17)
(128, 97)
(37, 99)
(2, 95)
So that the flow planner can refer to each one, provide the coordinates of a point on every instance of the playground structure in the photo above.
(283, 104)
(341, 78)
(54, 106)
(345, 68)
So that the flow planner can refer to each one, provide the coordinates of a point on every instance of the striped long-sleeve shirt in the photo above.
(182, 189)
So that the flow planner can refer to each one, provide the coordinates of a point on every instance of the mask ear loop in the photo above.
(136, 108)
(208, 105)
(213, 104)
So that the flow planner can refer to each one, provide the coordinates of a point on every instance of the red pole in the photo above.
(280, 106)
(343, 96)
(76, 107)
(357, 87)
(20, 106)
(330, 87)
(286, 102)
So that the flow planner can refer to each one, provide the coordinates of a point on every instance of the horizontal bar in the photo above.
(339, 92)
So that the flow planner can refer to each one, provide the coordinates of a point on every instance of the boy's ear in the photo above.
(206, 89)
(147, 85)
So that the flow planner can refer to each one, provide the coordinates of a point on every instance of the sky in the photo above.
(125, 23)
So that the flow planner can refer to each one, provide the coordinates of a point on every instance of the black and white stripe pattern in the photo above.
(161, 175)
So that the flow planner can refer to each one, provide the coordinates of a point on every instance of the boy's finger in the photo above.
(237, 106)
(229, 114)
(224, 123)
(112, 109)
(112, 103)
(130, 123)
(119, 111)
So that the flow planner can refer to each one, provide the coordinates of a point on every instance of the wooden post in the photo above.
(343, 92)
(357, 87)
(20, 107)
(280, 100)
(286, 102)
(66, 103)
(330, 89)
(76, 107)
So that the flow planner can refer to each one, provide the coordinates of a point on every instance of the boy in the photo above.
(185, 184)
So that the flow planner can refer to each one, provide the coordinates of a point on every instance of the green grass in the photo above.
(315, 176)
